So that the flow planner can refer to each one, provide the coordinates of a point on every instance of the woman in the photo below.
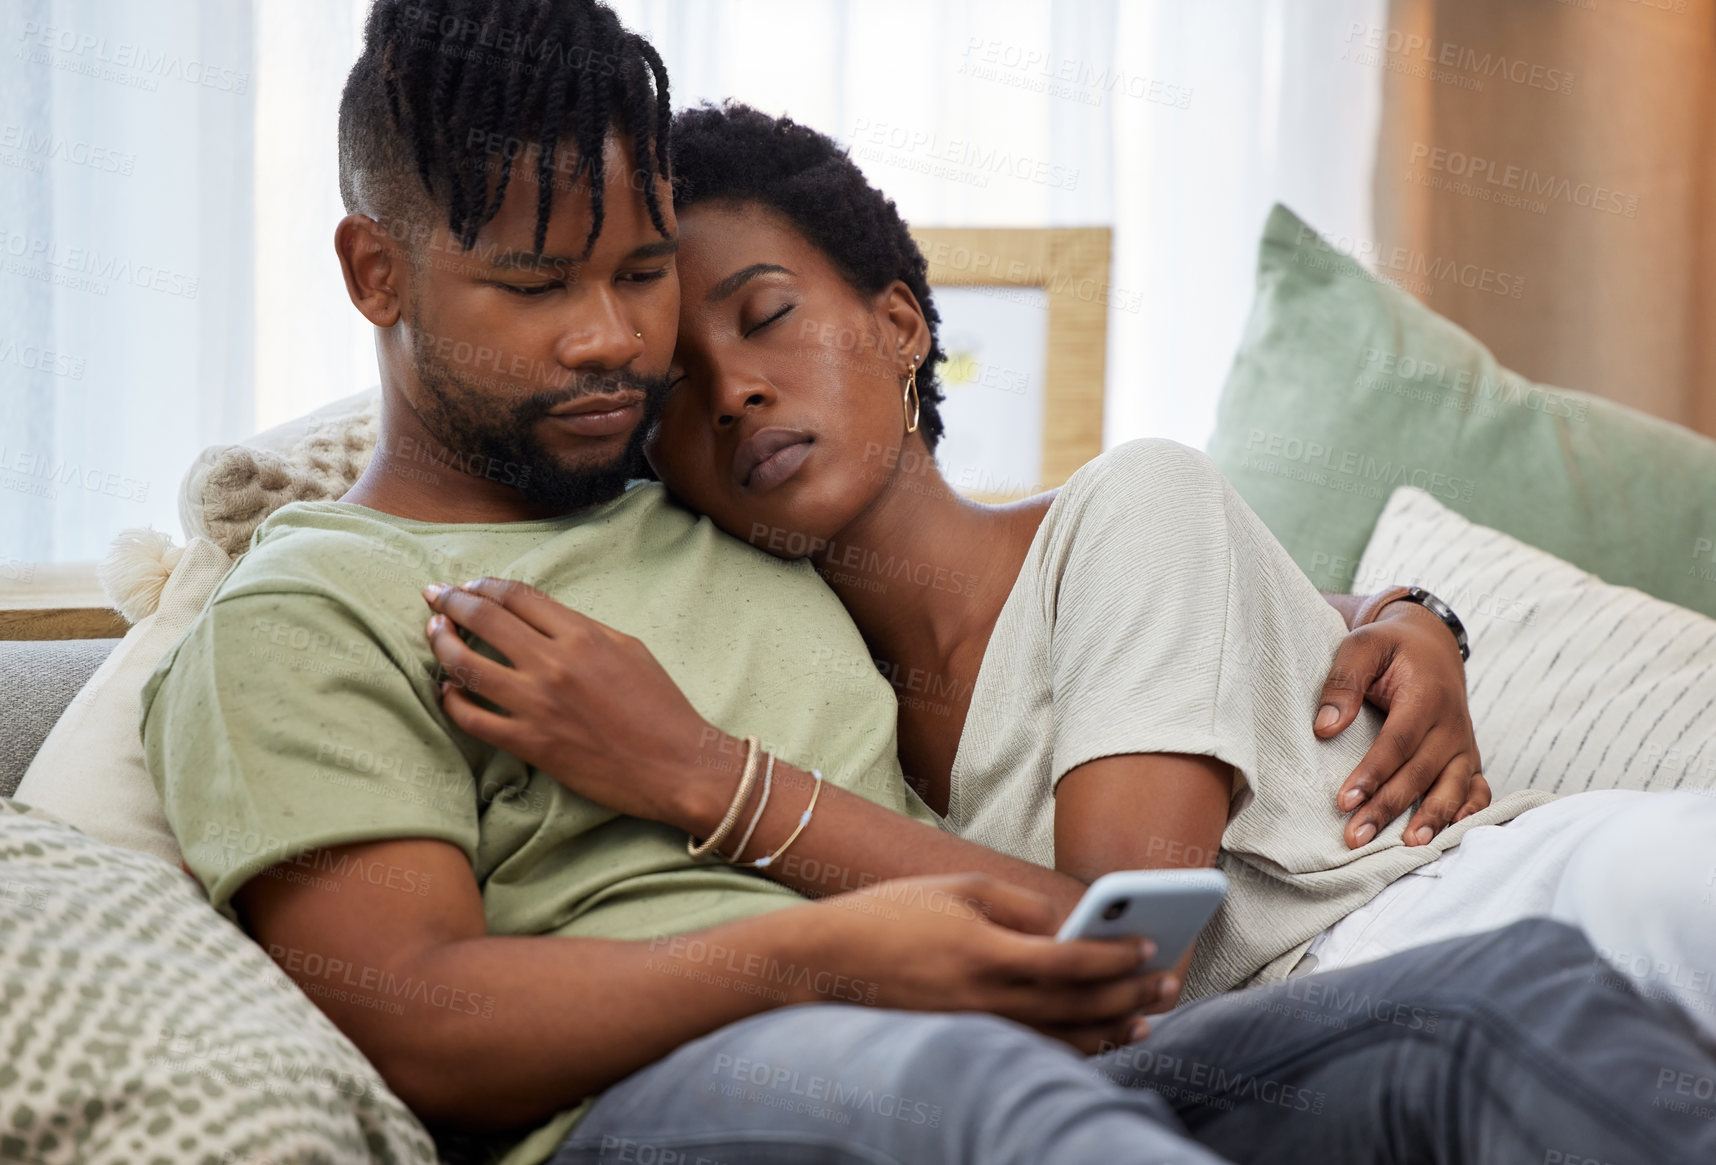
(1124, 672)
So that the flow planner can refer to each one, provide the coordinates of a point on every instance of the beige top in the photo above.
(1156, 613)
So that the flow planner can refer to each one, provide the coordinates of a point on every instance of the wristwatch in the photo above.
(1372, 607)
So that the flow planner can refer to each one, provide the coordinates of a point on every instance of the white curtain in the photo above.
(311, 345)
(127, 278)
(1177, 124)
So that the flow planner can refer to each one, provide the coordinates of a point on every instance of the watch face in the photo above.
(1445, 613)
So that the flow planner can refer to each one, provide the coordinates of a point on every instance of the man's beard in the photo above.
(486, 437)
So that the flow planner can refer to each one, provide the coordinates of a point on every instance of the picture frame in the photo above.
(1067, 269)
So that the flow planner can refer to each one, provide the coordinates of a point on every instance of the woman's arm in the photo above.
(1142, 811)
(850, 842)
(594, 709)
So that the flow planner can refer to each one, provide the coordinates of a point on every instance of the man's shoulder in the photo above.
(669, 526)
(299, 579)
(309, 546)
(372, 566)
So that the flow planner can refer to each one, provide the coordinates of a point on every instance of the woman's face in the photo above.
(785, 418)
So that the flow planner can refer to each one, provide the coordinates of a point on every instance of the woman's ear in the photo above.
(372, 268)
(905, 324)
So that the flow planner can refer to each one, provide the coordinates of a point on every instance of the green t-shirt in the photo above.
(301, 711)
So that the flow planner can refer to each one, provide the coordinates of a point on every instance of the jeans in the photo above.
(1515, 1047)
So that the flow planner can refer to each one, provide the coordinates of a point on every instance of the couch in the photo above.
(1343, 390)
(40, 678)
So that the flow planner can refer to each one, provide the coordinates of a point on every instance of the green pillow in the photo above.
(1345, 387)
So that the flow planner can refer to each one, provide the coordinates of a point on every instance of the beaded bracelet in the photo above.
(746, 781)
(768, 779)
(803, 820)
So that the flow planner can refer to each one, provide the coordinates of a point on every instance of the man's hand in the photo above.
(587, 705)
(968, 942)
(1407, 664)
(481, 1031)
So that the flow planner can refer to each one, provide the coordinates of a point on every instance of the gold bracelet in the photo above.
(746, 781)
(768, 780)
(803, 820)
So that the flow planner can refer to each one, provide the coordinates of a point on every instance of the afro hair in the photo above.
(733, 152)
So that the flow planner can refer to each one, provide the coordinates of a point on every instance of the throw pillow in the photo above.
(1345, 387)
(142, 1028)
(1575, 684)
(231, 488)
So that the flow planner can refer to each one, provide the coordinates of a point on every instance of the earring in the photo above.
(909, 399)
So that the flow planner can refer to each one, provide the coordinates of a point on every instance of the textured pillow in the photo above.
(142, 1028)
(90, 770)
(1574, 684)
(1345, 387)
(231, 488)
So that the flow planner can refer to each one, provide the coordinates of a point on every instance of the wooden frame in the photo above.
(59, 601)
(1070, 264)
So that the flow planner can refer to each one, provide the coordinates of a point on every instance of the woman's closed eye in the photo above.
(761, 324)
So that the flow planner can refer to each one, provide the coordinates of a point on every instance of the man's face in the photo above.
(548, 370)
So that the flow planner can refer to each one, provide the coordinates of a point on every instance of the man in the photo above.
(522, 962)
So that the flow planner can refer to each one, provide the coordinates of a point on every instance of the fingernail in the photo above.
(1424, 833)
(1169, 988)
(434, 591)
(469, 583)
(1146, 950)
(1140, 1030)
(1352, 798)
(1327, 715)
(1365, 833)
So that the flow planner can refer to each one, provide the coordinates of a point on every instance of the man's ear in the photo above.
(909, 333)
(373, 267)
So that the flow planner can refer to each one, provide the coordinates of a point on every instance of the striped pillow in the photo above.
(1575, 684)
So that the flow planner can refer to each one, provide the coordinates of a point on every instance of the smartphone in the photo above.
(1168, 906)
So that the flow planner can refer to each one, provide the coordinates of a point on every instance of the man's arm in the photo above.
(468, 1029)
(479, 1031)
(1408, 664)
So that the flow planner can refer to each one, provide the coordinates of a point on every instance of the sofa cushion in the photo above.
(1345, 387)
(39, 677)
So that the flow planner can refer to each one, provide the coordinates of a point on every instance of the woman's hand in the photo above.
(1407, 664)
(585, 704)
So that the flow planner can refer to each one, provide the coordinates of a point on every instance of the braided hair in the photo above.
(734, 153)
(448, 93)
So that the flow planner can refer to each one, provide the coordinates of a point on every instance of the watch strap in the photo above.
(1372, 607)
